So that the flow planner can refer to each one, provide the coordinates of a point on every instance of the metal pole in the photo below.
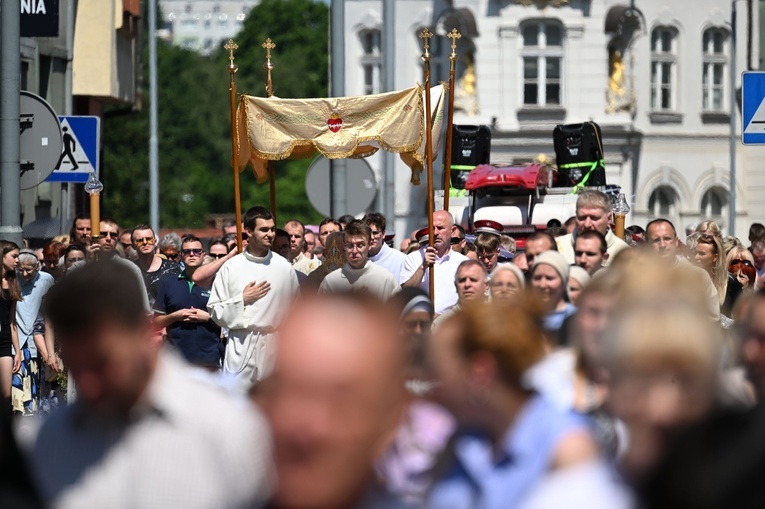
(66, 188)
(10, 85)
(732, 190)
(426, 55)
(232, 68)
(337, 167)
(453, 35)
(153, 142)
(388, 198)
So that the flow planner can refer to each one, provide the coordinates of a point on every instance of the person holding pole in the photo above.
(442, 258)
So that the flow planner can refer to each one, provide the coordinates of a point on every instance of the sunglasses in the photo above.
(456, 240)
(745, 263)
(111, 235)
(149, 241)
(172, 256)
(192, 252)
(218, 256)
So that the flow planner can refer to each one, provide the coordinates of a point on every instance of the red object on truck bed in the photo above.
(528, 177)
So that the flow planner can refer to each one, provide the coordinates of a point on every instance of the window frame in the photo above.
(661, 60)
(542, 52)
(370, 61)
(718, 193)
(711, 60)
(672, 199)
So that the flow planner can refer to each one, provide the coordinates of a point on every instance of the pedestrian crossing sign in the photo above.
(753, 108)
(81, 137)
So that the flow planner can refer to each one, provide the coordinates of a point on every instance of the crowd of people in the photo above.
(314, 370)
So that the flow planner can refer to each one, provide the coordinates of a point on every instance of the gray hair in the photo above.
(27, 257)
(171, 239)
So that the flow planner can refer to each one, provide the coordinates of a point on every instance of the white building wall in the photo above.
(202, 25)
(685, 151)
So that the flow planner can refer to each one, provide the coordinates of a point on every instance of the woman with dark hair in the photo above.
(10, 354)
(74, 254)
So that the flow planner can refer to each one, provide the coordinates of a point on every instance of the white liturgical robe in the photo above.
(391, 259)
(250, 349)
(371, 278)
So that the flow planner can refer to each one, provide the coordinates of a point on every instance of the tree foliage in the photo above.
(195, 124)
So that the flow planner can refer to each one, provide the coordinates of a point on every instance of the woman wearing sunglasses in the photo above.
(741, 267)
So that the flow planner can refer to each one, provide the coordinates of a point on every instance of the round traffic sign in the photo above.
(360, 186)
(41, 143)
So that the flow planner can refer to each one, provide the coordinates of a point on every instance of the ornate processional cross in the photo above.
(426, 36)
(231, 46)
(454, 35)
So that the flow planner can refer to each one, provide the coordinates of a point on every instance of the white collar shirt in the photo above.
(445, 292)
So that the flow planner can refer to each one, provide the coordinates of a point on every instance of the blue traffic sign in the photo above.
(82, 140)
(753, 108)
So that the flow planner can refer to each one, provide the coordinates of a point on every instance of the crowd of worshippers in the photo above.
(313, 369)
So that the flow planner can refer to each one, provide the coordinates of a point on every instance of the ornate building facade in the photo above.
(654, 75)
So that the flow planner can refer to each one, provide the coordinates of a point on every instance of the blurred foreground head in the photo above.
(662, 355)
(334, 399)
(753, 343)
(99, 320)
(481, 354)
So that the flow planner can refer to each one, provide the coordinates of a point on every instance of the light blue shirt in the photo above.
(481, 478)
(32, 293)
(553, 321)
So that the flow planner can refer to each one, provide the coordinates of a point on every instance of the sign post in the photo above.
(81, 137)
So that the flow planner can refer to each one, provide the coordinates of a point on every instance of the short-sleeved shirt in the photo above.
(28, 308)
(444, 271)
(199, 342)
(153, 279)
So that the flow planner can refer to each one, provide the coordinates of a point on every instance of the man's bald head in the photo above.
(335, 397)
(443, 228)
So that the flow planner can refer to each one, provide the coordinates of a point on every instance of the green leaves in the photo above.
(194, 122)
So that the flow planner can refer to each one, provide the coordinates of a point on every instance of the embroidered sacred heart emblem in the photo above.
(335, 123)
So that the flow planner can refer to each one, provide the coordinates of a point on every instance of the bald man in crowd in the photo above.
(334, 401)
(444, 260)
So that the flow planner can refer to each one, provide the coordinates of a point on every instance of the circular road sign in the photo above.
(41, 142)
(360, 185)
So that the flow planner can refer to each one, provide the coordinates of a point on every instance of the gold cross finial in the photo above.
(268, 45)
(426, 35)
(231, 46)
(454, 35)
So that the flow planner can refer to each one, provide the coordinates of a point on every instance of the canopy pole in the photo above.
(426, 35)
(453, 35)
(232, 68)
(268, 66)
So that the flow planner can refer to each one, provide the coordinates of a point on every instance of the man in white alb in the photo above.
(300, 262)
(358, 273)
(249, 296)
(379, 252)
(442, 257)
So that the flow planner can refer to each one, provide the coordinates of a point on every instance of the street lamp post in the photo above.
(732, 178)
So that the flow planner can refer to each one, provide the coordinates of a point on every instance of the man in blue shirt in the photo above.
(181, 307)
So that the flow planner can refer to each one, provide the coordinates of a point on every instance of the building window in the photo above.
(371, 60)
(662, 202)
(542, 64)
(715, 61)
(714, 203)
(663, 68)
